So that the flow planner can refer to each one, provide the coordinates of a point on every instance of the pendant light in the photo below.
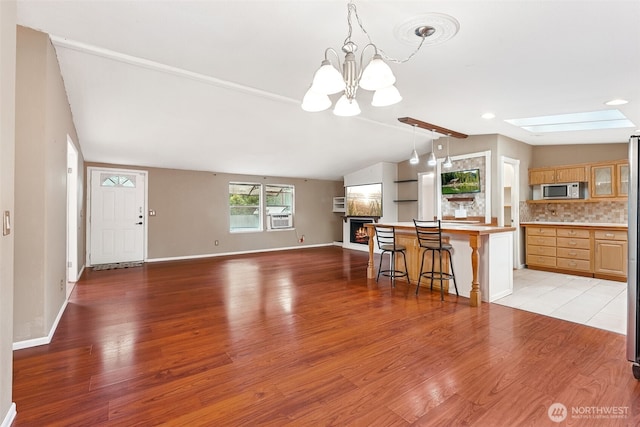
(432, 156)
(447, 160)
(415, 159)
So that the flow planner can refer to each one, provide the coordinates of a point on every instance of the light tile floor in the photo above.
(593, 302)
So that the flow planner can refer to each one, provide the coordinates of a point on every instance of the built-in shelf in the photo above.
(339, 204)
(374, 218)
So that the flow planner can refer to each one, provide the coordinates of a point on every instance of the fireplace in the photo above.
(358, 232)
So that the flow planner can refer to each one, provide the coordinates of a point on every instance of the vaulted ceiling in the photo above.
(217, 85)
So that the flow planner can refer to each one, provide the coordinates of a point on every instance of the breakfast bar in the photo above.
(487, 277)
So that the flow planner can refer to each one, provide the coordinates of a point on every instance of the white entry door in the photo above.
(117, 221)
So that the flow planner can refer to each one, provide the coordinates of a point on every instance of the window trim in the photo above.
(264, 216)
(260, 207)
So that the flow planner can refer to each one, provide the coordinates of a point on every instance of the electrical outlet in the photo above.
(62, 284)
(302, 239)
(216, 242)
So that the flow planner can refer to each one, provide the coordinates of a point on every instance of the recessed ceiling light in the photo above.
(617, 101)
(488, 116)
(606, 119)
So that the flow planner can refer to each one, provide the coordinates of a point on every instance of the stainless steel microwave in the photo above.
(570, 190)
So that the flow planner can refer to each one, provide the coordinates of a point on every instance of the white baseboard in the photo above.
(179, 258)
(19, 345)
(11, 415)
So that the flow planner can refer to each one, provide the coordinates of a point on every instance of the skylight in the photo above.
(606, 119)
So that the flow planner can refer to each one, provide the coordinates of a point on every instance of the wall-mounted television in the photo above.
(364, 200)
(459, 182)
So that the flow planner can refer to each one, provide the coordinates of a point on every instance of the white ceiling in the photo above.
(216, 85)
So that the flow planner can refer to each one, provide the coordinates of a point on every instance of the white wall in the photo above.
(386, 173)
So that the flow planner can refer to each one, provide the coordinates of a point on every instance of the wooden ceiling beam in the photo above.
(429, 126)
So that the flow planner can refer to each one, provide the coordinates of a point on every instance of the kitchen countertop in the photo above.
(578, 224)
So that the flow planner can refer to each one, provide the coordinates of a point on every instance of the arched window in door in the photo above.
(107, 180)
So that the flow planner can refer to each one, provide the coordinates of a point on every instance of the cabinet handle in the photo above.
(573, 253)
(609, 234)
(572, 242)
(572, 264)
(572, 231)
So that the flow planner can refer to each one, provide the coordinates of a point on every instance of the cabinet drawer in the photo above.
(541, 240)
(573, 232)
(574, 253)
(541, 250)
(541, 231)
(546, 261)
(574, 264)
(570, 242)
(610, 235)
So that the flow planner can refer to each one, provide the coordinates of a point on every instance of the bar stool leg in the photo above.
(424, 253)
(453, 273)
(441, 275)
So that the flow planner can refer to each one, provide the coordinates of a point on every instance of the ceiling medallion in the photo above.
(441, 28)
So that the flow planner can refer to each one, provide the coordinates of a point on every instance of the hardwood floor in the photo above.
(303, 338)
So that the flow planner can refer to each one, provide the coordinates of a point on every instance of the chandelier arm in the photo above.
(362, 67)
(351, 7)
(326, 56)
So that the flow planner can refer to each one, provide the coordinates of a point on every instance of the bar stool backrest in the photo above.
(429, 233)
(386, 237)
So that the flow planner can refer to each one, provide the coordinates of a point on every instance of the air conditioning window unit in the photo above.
(281, 221)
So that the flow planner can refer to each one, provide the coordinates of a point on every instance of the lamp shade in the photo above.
(447, 162)
(327, 80)
(314, 101)
(431, 161)
(376, 75)
(346, 107)
(386, 96)
(415, 159)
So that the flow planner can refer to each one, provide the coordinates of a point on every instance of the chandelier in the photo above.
(376, 76)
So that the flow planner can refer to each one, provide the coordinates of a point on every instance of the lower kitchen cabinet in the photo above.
(611, 253)
(585, 250)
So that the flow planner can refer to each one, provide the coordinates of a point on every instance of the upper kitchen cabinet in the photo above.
(557, 175)
(542, 176)
(571, 174)
(623, 179)
(609, 179)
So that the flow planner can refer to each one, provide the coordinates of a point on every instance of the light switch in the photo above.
(152, 212)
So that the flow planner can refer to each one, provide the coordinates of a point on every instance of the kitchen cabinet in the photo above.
(557, 175)
(611, 253)
(571, 174)
(541, 246)
(573, 249)
(542, 176)
(622, 180)
(581, 250)
(602, 181)
(610, 179)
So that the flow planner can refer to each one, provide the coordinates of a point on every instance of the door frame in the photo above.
(515, 204)
(145, 232)
(72, 212)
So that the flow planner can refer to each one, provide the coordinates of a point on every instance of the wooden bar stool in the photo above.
(430, 240)
(386, 237)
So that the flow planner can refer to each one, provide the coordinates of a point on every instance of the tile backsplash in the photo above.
(597, 212)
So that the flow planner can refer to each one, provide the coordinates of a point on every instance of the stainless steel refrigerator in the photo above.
(633, 305)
